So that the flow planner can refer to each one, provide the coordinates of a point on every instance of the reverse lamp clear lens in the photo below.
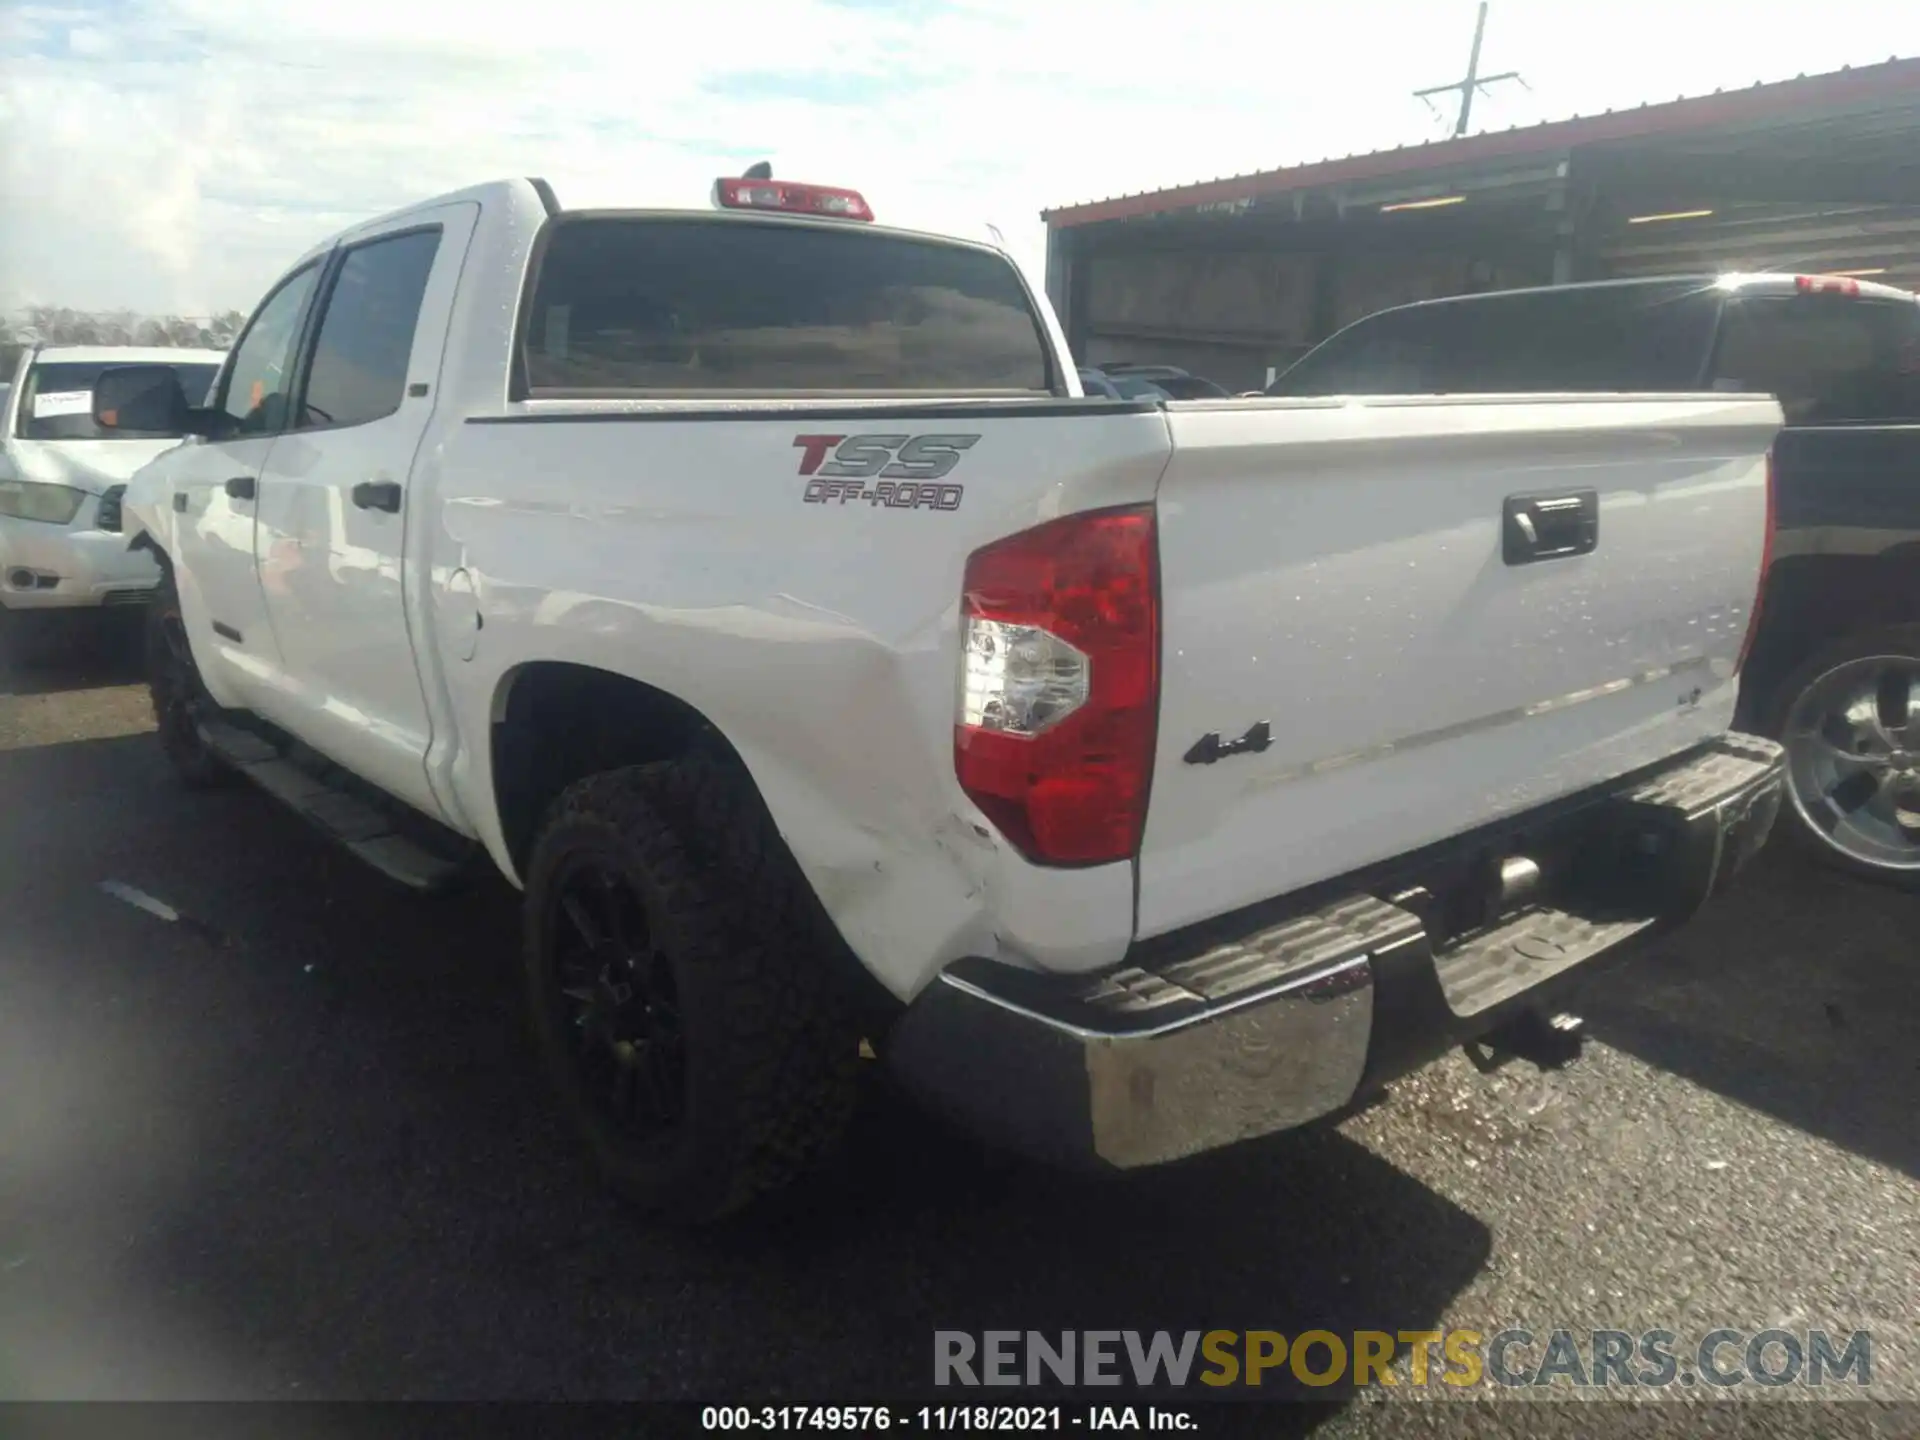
(1020, 679)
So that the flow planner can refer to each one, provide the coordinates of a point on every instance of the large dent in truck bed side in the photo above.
(822, 641)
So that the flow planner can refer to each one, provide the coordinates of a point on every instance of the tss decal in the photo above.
(916, 459)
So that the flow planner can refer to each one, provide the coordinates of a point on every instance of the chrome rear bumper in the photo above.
(1264, 1021)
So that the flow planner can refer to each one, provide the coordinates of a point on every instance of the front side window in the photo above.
(1828, 359)
(56, 402)
(261, 375)
(359, 369)
(665, 305)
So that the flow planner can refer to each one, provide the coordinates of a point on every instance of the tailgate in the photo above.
(1399, 620)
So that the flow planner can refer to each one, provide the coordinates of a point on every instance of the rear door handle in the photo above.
(378, 495)
(1549, 527)
(240, 487)
(180, 501)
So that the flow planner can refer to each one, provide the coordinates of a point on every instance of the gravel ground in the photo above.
(285, 1147)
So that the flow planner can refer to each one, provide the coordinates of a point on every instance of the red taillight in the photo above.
(1826, 285)
(1060, 685)
(1766, 564)
(789, 196)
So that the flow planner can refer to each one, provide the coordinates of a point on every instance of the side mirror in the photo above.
(143, 399)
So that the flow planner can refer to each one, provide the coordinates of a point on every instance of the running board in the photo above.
(342, 816)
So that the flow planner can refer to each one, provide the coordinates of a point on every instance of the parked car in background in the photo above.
(1095, 382)
(1835, 667)
(1129, 381)
(1171, 379)
(61, 478)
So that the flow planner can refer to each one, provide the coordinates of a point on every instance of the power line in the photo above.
(1474, 82)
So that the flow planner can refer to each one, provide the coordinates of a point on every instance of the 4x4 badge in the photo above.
(1210, 747)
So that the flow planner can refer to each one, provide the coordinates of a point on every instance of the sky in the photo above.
(174, 156)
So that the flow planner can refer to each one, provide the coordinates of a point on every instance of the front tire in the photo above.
(180, 700)
(1850, 720)
(695, 1039)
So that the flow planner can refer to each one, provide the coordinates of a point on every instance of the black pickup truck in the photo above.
(1835, 667)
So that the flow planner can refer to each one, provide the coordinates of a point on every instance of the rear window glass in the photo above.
(1643, 338)
(56, 400)
(697, 306)
(1828, 359)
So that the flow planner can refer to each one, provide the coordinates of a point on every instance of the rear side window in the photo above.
(1631, 338)
(1828, 359)
(655, 305)
(359, 370)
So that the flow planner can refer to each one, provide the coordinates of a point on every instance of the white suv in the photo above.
(62, 475)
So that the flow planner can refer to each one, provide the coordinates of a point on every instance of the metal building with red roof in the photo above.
(1233, 277)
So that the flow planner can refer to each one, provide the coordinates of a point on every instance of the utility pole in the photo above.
(1475, 80)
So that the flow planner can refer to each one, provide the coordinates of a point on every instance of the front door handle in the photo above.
(180, 501)
(240, 487)
(378, 495)
(1549, 527)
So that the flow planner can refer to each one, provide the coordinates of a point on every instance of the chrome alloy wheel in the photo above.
(1853, 760)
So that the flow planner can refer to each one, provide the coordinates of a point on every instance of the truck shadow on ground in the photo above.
(1797, 994)
(77, 652)
(302, 1140)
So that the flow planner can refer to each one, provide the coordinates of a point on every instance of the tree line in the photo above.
(59, 325)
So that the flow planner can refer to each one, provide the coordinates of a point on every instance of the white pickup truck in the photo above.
(754, 588)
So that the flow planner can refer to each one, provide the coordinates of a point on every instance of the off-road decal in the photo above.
(904, 470)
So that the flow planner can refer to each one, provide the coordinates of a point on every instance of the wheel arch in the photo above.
(554, 722)
(1813, 601)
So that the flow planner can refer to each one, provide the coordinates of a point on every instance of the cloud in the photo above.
(178, 154)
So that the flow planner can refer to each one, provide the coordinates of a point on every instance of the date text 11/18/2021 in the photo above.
(935, 1419)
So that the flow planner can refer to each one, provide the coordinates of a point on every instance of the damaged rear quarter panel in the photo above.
(822, 639)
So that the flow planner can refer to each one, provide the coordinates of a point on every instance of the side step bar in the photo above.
(340, 815)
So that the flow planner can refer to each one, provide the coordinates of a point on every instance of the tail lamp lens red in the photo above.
(1060, 688)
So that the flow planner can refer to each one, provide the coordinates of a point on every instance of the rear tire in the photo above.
(681, 1005)
(180, 700)
(1850, 719)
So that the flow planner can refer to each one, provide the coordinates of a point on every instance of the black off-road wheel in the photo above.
(180, 700)
(696, 1039)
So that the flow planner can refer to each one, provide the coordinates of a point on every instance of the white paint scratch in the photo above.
(140, 900)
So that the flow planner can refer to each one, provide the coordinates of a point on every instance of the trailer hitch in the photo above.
(1546, 1042)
